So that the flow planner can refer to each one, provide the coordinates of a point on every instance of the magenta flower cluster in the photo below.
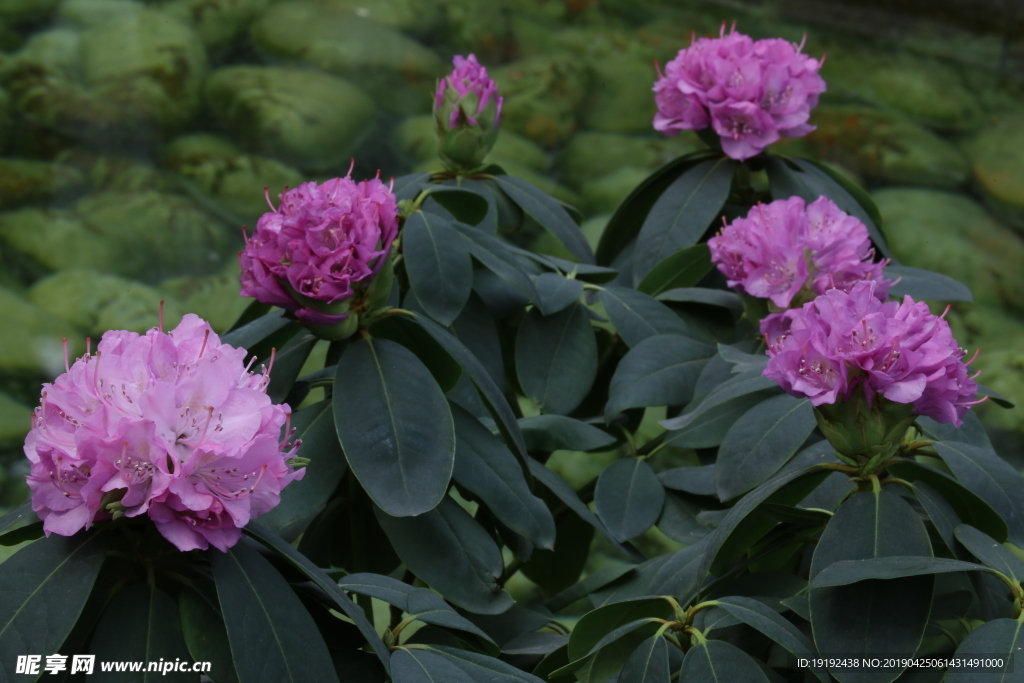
(786, 251)
(468, 78)
(750, 92)
(844, 342)
(319, 246)
(171, 425)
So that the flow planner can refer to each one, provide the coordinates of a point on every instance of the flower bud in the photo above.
(467, 109)
(858, 430)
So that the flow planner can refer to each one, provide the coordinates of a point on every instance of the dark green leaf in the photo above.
(968, 506)
(141, 624)
(439, 664)
(438, 361)
(43, 588)
(761, 442)
(556, 569)
(263, 615)
(648, 663)
(699, 481)
(438, 264)
(683, 213)
(685, 268)
(674, 574)
(700, 295)
(739, 385)
(466, 205)
(394, 425)
(989, 552)
(996, 397)
(716, 661)
(862, 198)
(637, 316)
(549, 214)
(206, 636)
(846, 572)
(258, 336)
(323, 582)
(451, 552)
(625, 630)
(992, 479)
(998, 639)
(554, 432)
(288, 363)
(628, 498)
(925, 285)
(598, 623)
(16, 515)
(714, 423)
(314, 425)
(29, 532)
(485, 466)
(408, 186)
(599, 579)
(556, 292)
(495, 256)
(659, 371)
(556, 358)
(941, 513)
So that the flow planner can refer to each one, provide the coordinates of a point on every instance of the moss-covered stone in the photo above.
(213, 298)
(30, 341)
(51, 239)
(997, 158)
(25, 181)
(589, 156)
(15, 421)
(218, 22)
(605, 193)
(542, 96)
(309, 119)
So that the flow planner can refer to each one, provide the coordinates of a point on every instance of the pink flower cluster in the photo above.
(845, 341)
(750, 92)
(468, 78)
(172, 425)
(786, 248)
(319, 246)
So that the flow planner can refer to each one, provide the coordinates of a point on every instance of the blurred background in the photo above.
(136, 139)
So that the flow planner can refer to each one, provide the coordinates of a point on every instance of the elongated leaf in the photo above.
(941, 513)
(272, 636)
(408, 186)
(494, 255)
(709, 431)
(700, 295)
(683, 213)
(258, 336)
(556, 292)
(206, 636)
(451, 552)
(406, 332)
(628, 498)
(140, 624)
(29, 532)
(465, 204)
(716, 661)
(761, 442)
(548, 213)
(438, 264)
(288, 363)
(598, 623)
(599, 579)
(659, 371)
(847, 572)
(300, 562)
(998, 639)
(648, 663)
(394, 425)
(556, 358)
(625, 630)
(699, 481)
(43, 588)
(438, 663)
(314, 425)
(990, 553)
(637, 316)
(16, 515)
(926, 285)
(487, 468)
(740, 385)
(992, 479)
(761, 617)
(554, 432)
(685, 268)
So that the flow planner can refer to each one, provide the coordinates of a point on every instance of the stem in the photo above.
(695, 633)
(510, 571)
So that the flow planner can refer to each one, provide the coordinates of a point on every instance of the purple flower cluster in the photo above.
(750, 92)
(790, 252)
(322, 244)
(170, 425)
(847, 341)
(468, 78)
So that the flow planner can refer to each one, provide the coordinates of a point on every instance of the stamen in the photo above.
(974, 357)
(266, 194)
(948, 306)
(161, 316)
(351, 165)
(67, 368)
(206, 337)
(245, 235)
(88, 346)
(974, 403)
(287, 428)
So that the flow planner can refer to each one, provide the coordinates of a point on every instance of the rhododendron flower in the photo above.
(750, 92)
(467, 109)
(790, 252)
(172, 425)
(323, 245)
(847, 342)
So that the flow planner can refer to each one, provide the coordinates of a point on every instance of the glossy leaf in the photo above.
(997, 639)
(438, 663)
(598, 623)
(410, 185)
(434, 357)
(548, 213)
(941, 513)
(464, 204)
(314, 425)
(761, 442)
(721, 298)
(438, 264)
(683, 213)
(485, 466)
(141, 624)
(288, 362)
(847, 572)
(648, 663)
(710, 430)
(659, 371)
(554, 432)
(628, 498)
(494, 255)
(272, 330)
(19, 513)
(556, 358)
(739, 385)
(272, 636)
(394, 425)
(990, 553)
(599, 579)
(716, 661)
(206, 636)
(43, 588)
(685, 268)
(992, 479)
(556, 292)
(699, 481)
(555, 570)
(451, 552)
(637, 316)
(925, 285)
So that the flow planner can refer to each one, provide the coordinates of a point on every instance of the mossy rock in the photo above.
(15, 421)
(543, 96)
(481, 28)
(30, 344)
(951, 234)
(604, 194)
(305, 118)
(26, 181)
(40, 241)
(214, 298)
(218, 22)
(589, 155)
(115, 172)
(997, 158)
